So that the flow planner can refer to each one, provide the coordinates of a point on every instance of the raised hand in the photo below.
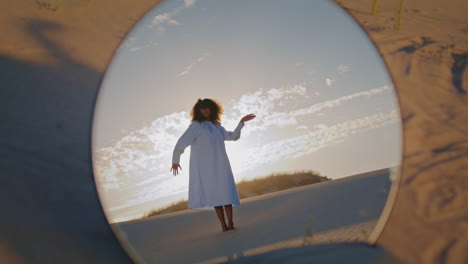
(175, 169)
(248, 117)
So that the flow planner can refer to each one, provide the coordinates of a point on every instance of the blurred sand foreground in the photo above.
(342, 210)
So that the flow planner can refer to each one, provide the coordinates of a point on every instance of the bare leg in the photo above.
(229, 216)
(220, 213)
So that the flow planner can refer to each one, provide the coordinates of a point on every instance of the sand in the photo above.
(425, 45)
(342, 210)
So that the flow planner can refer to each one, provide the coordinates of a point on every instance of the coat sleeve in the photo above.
(233, 135)
(187, 138)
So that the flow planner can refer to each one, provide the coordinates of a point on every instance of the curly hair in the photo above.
(212, 104)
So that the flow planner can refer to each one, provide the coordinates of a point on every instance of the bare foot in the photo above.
(231, 226)
(225, 228)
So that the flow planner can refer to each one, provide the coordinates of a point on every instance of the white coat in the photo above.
(211, 182)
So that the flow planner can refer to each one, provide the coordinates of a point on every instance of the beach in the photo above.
(341, 210)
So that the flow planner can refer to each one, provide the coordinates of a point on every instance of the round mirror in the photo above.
(227, 129)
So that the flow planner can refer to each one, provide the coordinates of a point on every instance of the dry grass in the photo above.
(277, 182)
(257, 186)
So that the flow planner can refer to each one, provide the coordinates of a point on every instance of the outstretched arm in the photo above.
(233, 135)
(187, 138)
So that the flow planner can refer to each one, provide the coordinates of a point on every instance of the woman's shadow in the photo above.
(47, 102)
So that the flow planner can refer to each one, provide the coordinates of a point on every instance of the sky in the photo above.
(321, 94)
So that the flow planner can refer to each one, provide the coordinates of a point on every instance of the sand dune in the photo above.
(335, 211)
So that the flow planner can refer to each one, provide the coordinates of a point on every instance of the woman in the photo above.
(211, 182)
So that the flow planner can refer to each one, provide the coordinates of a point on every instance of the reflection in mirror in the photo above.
(304, 150)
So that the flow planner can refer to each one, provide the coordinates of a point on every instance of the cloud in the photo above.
(136, 168)
(283, 149)
(160, 21)
(134, 155)
(321, 126)
(189, 3)
(270, 106)
(188, 69)
(168, 17)
(298, 146)
(336, 102)
(329, 81)
(342, 68)
(161, 18)
(144, 45)
(173, 22)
